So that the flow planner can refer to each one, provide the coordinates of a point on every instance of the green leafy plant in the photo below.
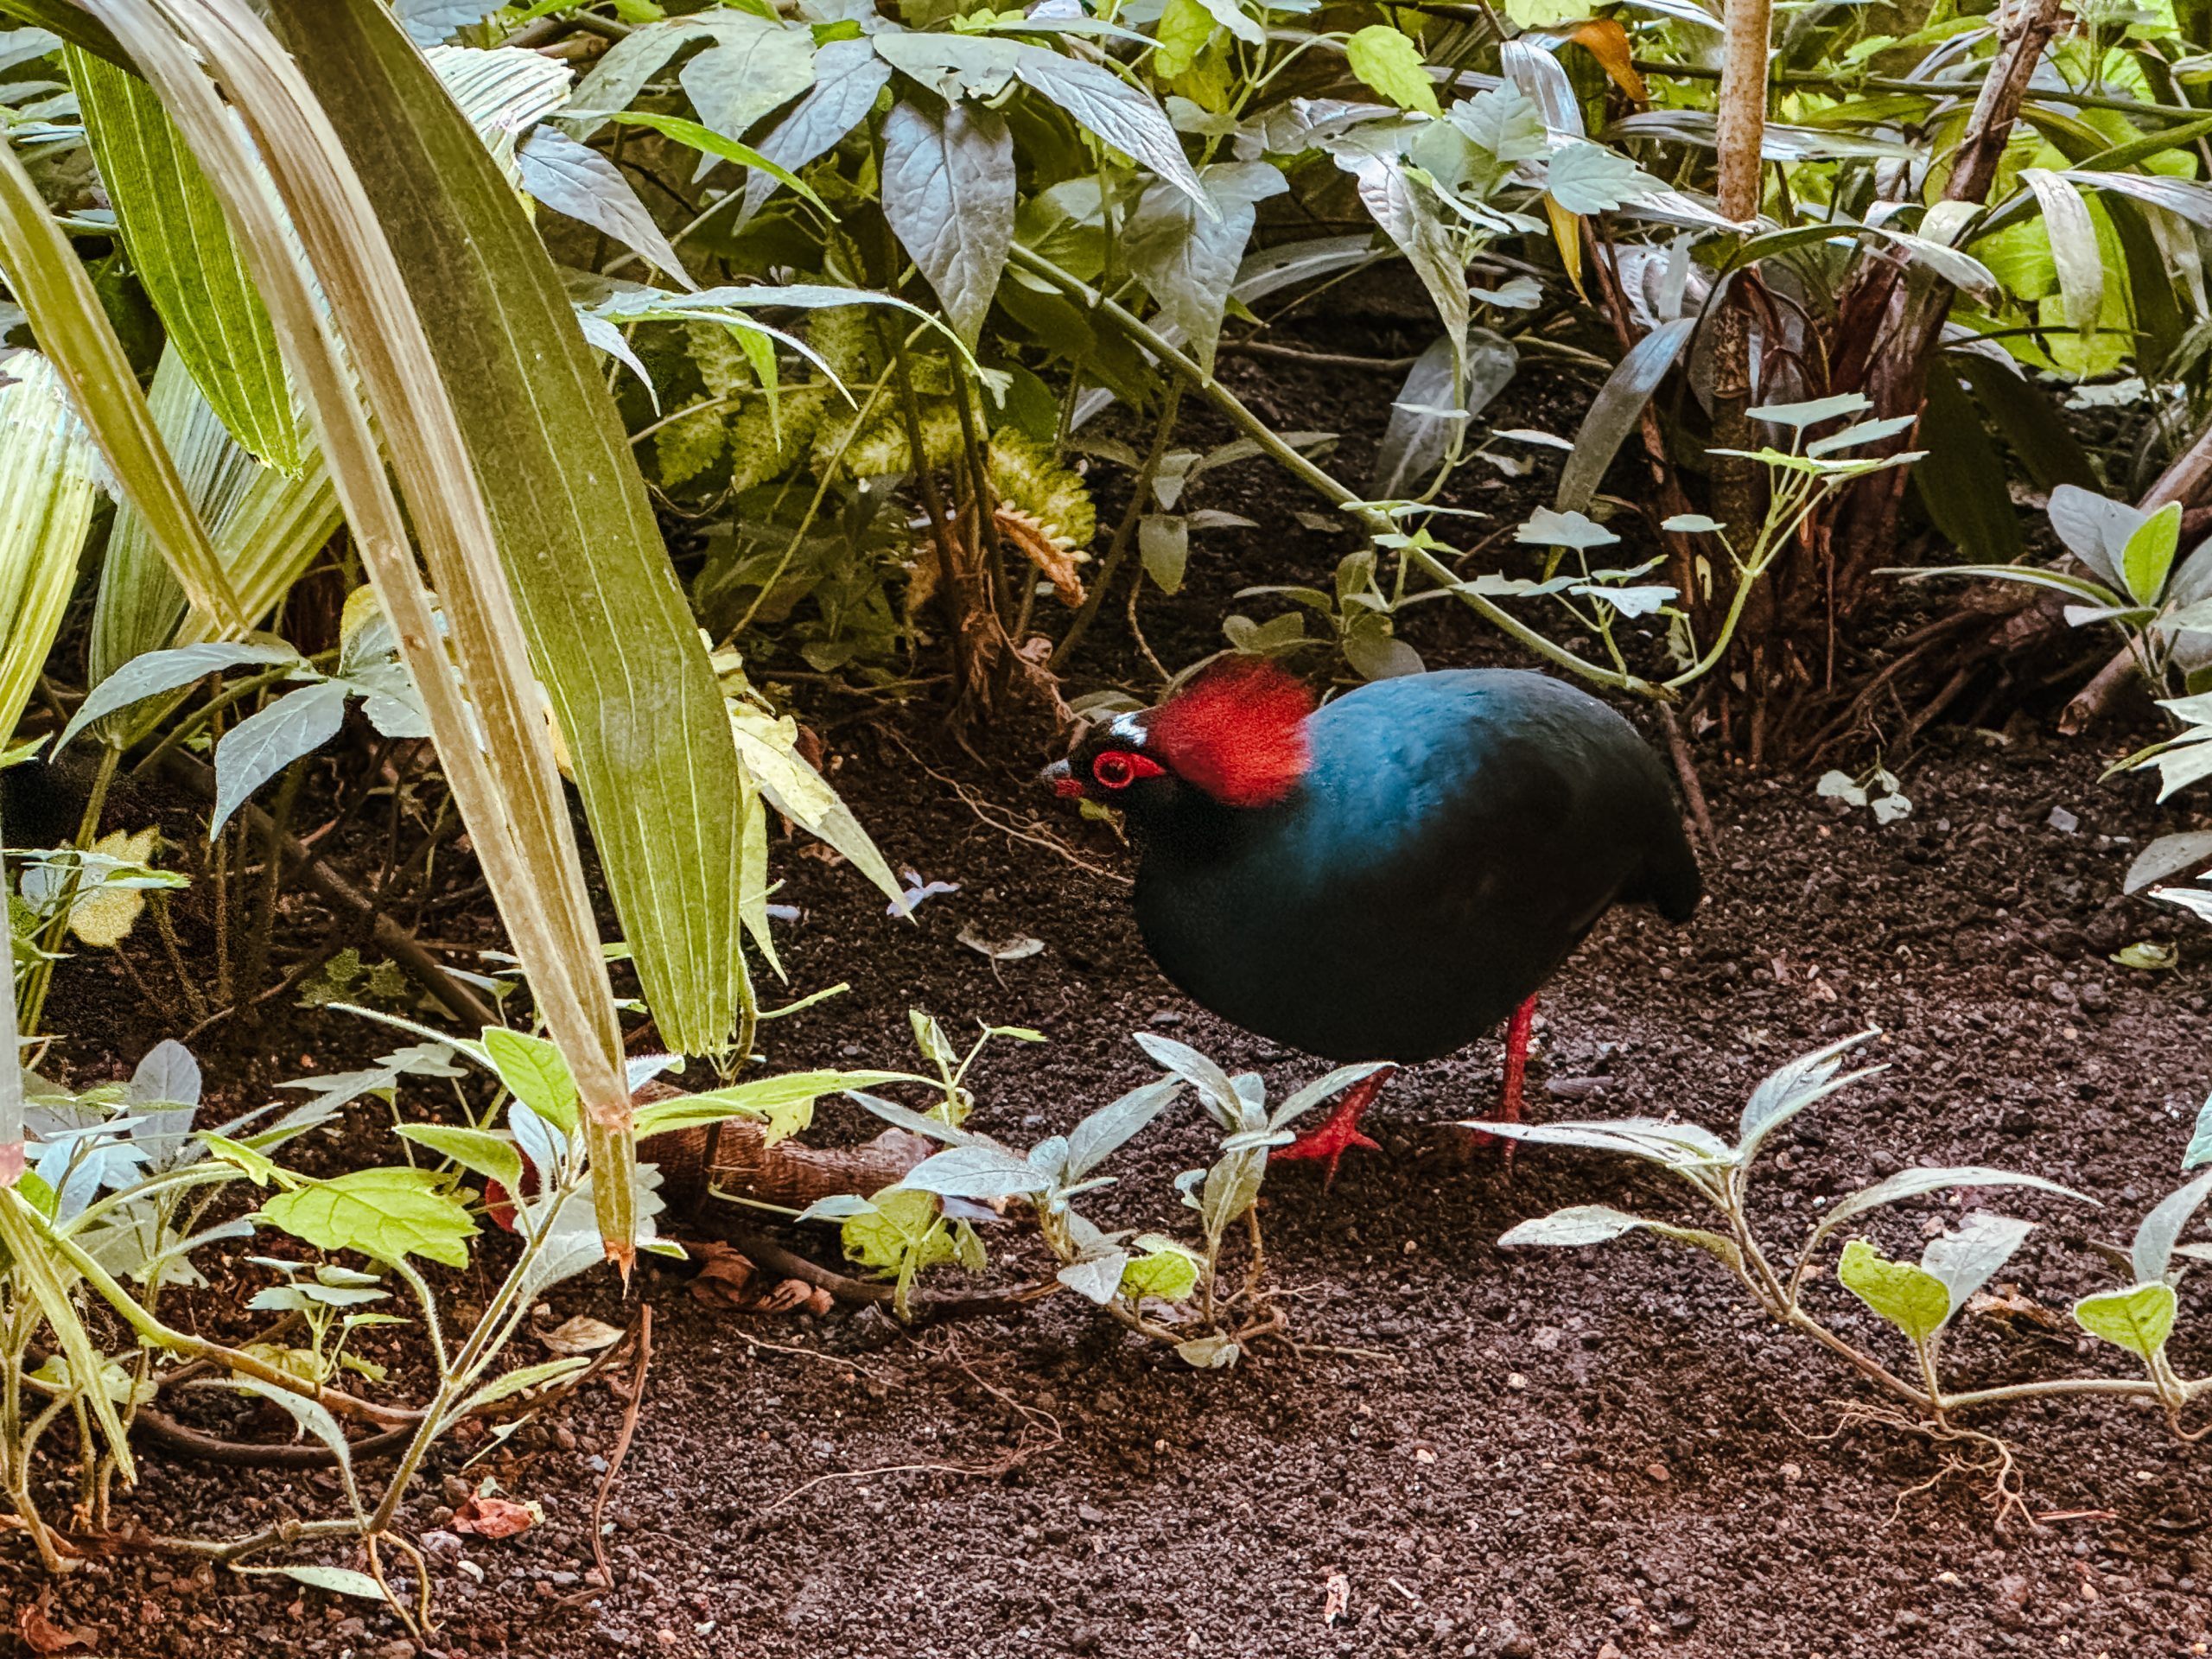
(1919, 1301)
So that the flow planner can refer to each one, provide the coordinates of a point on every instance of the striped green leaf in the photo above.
(48, 486)
(610, 632)
(181, 248)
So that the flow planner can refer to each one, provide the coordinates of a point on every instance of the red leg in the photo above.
(1342, 1129)
(1517, 1032)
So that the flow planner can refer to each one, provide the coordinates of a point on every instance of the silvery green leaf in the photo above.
(2154, 1239)
(1424, 420)
(1964, 1260)
(1789, 1089)
(1615, 411)
(2073, 251)
(1684, 1147)
(339, 1580)
(1813, 412)
(1230, 1187)
(164, 1093)
(906, 1117)
(576, 179)
(976, 1171)
(752, 65)
(1911, 1183)
(1629, 601)
(1587, 178)
(2095, 530)
(1549, 528)
(2200, 1141)
(847, 75)
(838, 1206)
(948, 192)
(954, 66)
(2196, 900)
(1120, 114)
(1864, 432)
(263, 744)
(1049, 1158)
(157, 672)
(1690, 524)
(1405, 206)
(1538, 75)
(1577, 1224)
(617, 78)
(1210, 1082)
(1186, 257)
(1105, 1131)
(1095, 1278)
(1271, 270)
(1962, 270)
(1501, 122)
(428, 22)
(1164, 545)
(2186, 199)
(1326, 1087)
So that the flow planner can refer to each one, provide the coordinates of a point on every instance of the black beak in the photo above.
(1060, 779)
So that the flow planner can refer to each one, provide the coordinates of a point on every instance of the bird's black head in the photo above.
(1235, 737)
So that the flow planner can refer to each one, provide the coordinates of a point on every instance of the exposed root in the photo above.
(1968, 1454)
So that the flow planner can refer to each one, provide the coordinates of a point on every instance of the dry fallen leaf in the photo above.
(486, 1515)
(41, 1635)
(726, 1281)
(1012, 949)
(1336, 1603)
(580, 1335)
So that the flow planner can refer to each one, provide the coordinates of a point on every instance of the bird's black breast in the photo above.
(1458, 834)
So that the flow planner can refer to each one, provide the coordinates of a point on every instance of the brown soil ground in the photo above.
(1593, 1453)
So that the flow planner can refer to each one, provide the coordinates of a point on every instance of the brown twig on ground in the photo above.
(1693, 790)
(1050, 844)
(166, 1432)
(642, 1339)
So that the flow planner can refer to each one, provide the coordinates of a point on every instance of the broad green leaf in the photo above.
(1962, 480)
(2167, 857)
(182, 249)
(2148, 555)
(1121, 115)
(1384, 58)
(576, 179)
(1426, 420)
(384, 1214)
(49, 488)
(980, 1172)
(784, 1104)
(1615, 411)
(1188, 259)
(1184, 29)
(611, 635)
(537, 1074)
(257, 1165)
(1965, 1260)
(338, 1580)
(767, 748)
(948, 192)
(1105, 1131)
(2139, 1319)
(156, 672)
(1098, 1276)
(1408, 210)
(1587, 178)
(750, 65)
(1911, 1297)
(1170, 1272)
(1911, 1183)
(1164, 546)
(2153, 1247)
(900, 1225)
(478, 1149)
(263, 744)
(50, 283)
(2073, 247)
(847, 75)
(1577, 1224)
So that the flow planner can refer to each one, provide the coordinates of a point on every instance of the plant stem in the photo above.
(1125, 531)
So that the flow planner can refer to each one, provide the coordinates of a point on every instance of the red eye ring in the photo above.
(1119, 768)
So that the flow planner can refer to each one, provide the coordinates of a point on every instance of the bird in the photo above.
(1386, 876)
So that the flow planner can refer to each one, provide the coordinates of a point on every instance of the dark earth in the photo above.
(1585, 1454)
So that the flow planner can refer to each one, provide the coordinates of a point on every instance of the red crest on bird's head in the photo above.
(1237, 732)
